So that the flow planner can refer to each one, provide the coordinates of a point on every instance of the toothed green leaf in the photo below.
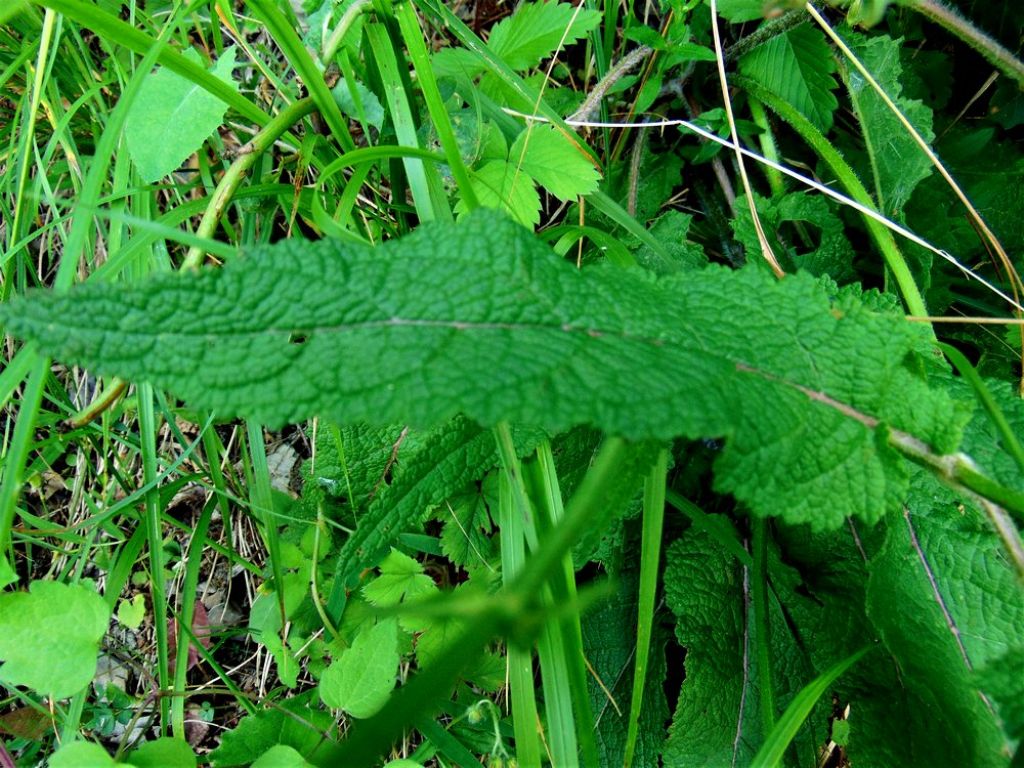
(798, 66)
(554, 162)
(171, 118)
(482, 319)
(535, 30)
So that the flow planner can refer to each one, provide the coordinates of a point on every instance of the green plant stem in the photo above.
(345, 23)
(650, 560)
(855, 189)
(768, 147)
(232, 178)
(764, 33)
(950, 20)
(284, 34)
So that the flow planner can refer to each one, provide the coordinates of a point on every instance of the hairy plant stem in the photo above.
(248, 155)
(950, 20)
(881, 235)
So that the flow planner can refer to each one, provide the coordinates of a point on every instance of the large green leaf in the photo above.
(480, 318)
(946, 602)
(172, 117)
(798, 66)
(50, 636)
(897, 164)
(715, 722)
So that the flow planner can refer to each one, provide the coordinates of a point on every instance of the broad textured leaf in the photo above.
(171, 118)
(798, 66)
(715, 723)
(554, 162)
(989, 170)
(292, 723)
(50, 636)
(897, 163)
(534, 32)
(1002, 679)
(358, 460)
(480, 318)
(946, 602)
(361, 681)
(671, 229)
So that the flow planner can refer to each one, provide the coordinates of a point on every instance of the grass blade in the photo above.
(650, 556)
(776, 743)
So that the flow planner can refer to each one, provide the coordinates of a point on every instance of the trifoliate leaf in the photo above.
(292, 722)
(361, 681)
(501, 185)
(534, 32)
(171, 118)
(554, 162)
(897, 164)
(50, 636)
(481, 318)
(798, 66)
